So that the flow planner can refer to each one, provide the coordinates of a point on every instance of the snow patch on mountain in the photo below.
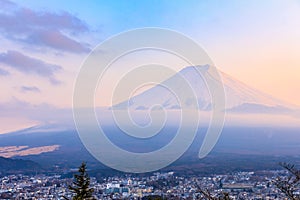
(238, 94)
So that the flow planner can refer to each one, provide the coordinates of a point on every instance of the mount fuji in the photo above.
(239, 97)
(271, 128)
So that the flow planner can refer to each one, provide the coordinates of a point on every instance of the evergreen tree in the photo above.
(81, 185)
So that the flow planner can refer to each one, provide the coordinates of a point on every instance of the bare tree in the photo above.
(208, 196)
(291, 184)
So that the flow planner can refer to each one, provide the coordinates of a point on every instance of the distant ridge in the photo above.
(9, 165)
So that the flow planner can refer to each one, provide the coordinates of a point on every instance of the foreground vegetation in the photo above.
(288, 186)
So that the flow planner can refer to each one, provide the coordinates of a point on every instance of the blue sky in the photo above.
(43, 43)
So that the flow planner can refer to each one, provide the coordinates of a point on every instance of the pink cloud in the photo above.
(43, 28)
(30, 65)
(56, 40)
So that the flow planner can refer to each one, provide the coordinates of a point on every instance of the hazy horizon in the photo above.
(151, 99)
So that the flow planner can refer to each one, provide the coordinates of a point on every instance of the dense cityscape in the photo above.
(240, 185)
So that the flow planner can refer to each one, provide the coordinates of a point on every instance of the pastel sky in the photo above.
(43, 43)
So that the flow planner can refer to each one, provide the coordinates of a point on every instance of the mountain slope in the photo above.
(8, 165)
(237, 94)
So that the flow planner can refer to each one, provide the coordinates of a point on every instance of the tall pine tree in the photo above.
(81, 185)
